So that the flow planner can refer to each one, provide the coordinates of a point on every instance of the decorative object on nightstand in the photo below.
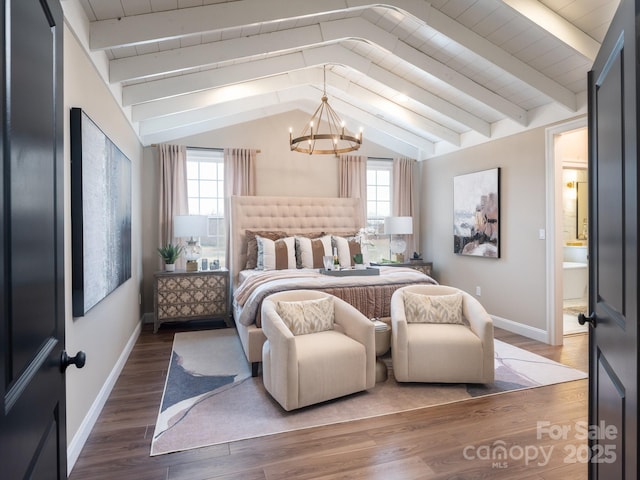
(194, 227)
(170, 253)
(398, 226)
(181, 296)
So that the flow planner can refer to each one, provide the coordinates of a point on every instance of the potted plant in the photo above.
(358, 261)
(170, 253)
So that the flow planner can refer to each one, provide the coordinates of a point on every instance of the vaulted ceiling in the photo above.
(419, 76)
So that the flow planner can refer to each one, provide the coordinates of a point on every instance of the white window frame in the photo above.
(215, 243)
(377, 242)
(379, 164)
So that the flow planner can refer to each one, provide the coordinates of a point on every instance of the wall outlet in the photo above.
(478, 291)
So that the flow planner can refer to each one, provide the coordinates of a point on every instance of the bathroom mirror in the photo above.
(582, 218)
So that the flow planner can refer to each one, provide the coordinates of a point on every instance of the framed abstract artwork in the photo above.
(100, 214)
(476, 214)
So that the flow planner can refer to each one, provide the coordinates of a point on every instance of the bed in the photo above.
(301, 216)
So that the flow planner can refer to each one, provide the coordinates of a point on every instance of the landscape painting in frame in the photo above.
(476, 214)
(100, 214)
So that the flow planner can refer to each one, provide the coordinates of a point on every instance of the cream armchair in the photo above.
(442, 352)
(300, 370)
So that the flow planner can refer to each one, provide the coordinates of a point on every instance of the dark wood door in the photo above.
(613, 170)
(32, 417)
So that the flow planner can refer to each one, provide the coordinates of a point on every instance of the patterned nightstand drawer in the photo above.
(183, 296)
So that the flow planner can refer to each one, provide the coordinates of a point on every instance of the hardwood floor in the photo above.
(443, 442)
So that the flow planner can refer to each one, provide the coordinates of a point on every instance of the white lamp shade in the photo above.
(398, 225)
(189, 226)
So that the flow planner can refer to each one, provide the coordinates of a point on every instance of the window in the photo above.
(205, 191)
(378, 192)
(379, 197)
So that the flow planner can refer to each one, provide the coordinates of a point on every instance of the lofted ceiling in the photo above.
(421, 77)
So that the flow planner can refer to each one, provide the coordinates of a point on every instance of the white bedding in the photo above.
(256, 285)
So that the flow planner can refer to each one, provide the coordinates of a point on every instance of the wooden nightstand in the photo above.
(424, 267)
(182, 296)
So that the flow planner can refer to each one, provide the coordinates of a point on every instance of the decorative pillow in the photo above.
(420, 308)
(309, 251)
(307, 316)
(252, 244)
(276, 254)
(347, 248)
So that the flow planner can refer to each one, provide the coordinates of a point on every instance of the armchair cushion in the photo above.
(307, 316)
(420, 308)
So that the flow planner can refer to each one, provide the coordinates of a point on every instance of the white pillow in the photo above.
(311, 250)
(276, 254)
(347, 248)
(419, 308)
(307, 316)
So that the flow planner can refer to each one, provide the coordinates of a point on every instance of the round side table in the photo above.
(383, 342)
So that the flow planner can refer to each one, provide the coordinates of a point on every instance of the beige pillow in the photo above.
(252, 244)
(307, 316)
(347, 248)
(276, 254)
(419, 308)
(309, 251)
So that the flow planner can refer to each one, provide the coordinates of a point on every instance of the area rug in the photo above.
(211, 398)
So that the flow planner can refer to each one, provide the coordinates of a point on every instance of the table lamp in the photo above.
(398, 226)
(192, 227)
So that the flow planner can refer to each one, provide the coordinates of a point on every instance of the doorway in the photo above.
(567, 229)
(571, 150)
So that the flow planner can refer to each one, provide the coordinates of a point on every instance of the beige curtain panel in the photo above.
(173, 192)
(239, 179)
(239, 171)
(352, 181)
(404, 194)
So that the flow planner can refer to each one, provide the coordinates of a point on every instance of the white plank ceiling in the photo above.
(422, 77)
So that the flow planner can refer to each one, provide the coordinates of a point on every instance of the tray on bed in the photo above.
(351, 272)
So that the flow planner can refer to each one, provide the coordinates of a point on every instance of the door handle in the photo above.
(591, 319)
(65, 360)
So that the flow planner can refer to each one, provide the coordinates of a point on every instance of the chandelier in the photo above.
(336, 140)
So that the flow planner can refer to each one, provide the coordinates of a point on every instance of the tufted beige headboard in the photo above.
(290, 214)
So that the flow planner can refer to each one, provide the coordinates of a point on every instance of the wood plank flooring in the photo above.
(443, 442)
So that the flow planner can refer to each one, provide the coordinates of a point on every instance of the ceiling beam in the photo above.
(154, 27)
(557, 26)
(195, 56)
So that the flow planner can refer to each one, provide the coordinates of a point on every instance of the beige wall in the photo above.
(514, 286)
(105, 330)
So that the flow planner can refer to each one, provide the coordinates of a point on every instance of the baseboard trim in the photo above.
(80, 438)
(521, 329)
(148, 318)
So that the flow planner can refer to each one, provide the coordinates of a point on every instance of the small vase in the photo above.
(360, 266)
(169, 267)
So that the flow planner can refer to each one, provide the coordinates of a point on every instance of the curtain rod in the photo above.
(203, 148)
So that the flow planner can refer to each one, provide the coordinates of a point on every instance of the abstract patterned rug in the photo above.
(211, 398)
